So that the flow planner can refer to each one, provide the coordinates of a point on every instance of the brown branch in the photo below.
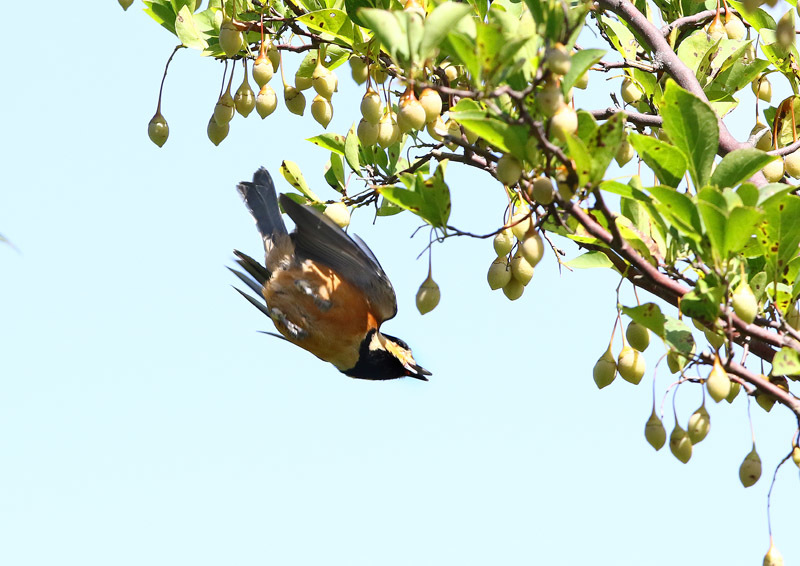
(626, 64)
(636, 118)
(694, 19)
(759, 382)
(786, 150)
(670, 62)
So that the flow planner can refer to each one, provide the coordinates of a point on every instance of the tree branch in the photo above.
(633, 117)
(698, 18)
(669, 60)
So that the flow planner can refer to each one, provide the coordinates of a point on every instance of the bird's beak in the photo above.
(415, 371)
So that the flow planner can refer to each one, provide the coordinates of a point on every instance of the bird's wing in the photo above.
(319, 239)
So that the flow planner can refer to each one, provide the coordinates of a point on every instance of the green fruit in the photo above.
(630, 365)
(792, 317)
(157, 129)
(388, 130)
(322, 110)
(564, 122)
(764, 142)
(262, 69)
(513, 290)
(718, 383)
(785, 30)
(302, 83)
(216, 132)
(550, 98)
(503, 242)
(532, 248)
(454, 131)
(773, 171)
(294, 99)
(436, 129)
(367, 133)
(765, 401)
(734, 28)
(521, 222)
(125, 5)
(499, 273)
(542, 190)
(796, 456)
(791, 164)
(508, 170)
(432, 103)
(339, 213)
(679, 444)
(521, 270)
(557, 59)
(273, 55)
(428, 296)
(358, 69)
(744, 303)
(605, 369)
(750, 470)
(266, 101)
(625, 153)
(773, 557)
(630, 91)
(654, 431)
(450, 71)
(324, 81)
(230, 38)
(716, 29)
(410, 114)
(245, 98)
(716, 339)
(735, 388)
(699, 425)
(582, 81)
(762, 89)
(638, 336)
(224, 109)
(378, 73)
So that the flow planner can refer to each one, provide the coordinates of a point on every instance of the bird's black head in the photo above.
(385, 357)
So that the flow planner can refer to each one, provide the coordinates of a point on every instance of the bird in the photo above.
(323, 289)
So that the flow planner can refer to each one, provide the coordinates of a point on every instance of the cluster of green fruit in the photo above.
(519, 249)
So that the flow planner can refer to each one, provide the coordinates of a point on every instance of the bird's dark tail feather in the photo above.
(262, 201)
(255, 276)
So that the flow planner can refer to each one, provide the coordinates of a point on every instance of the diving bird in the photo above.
(323, 289)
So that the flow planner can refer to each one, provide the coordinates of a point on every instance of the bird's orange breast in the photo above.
(332, 315)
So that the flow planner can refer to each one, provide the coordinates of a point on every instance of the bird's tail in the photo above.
(262, 201)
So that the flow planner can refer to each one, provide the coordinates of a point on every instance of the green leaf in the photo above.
(438, 24)
(741, 226)
(473, 116)
(590, 260)
(187, 32)
(738, 166)
(603, 145)
(291, 172)
(329, 141)
(666, 161)
(161, 11)
(334, 22)
(786, 362)
(351, 146)
(579, 153)
(703, 301)
(779, 233)
(353, 6)
(679, 209)
(580, 63)
(388, 30)
(463, 47)
(334, 174)
(714, 223)
(648, 315)
(692, 126)
(678, 336)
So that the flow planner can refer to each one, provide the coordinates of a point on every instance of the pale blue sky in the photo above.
(143, 420)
